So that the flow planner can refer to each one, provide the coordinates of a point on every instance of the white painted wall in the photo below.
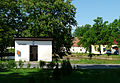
(44, 50)
(102, 47)
(78, 50)
(94, 49)
(24, 49)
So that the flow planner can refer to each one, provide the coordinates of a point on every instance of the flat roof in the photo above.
(33, 39)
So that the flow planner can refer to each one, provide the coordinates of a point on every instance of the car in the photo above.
(108, 52)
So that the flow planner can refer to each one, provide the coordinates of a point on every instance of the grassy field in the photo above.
(82, 58)
(45, 76)
(94, 61)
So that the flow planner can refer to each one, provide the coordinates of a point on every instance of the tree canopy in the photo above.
(101, 33)
(37, 18)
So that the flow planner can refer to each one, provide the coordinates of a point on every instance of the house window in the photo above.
(73, 49)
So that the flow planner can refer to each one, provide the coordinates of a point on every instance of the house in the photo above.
(77, 49)
(33, 49)
(94, 48)
(104, 48)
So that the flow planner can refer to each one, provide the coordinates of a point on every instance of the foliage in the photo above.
(10, 21)
(28, 65)
(37, 18)
(56, 72)
(1, 65)
(20, 63)
(66, 68)
(42, 64)
(79, 31)
(100, 33)
(11, 64)
(51, 65)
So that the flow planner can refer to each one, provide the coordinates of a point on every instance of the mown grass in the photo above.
(94, 61)
(45, 76)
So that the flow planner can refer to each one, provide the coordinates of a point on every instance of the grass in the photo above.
(94, 61)
(45, 76)
(80, 54)
(82, 58)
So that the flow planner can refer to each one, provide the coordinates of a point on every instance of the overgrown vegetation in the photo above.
(42, 64)
(20, 63)
(11, 64)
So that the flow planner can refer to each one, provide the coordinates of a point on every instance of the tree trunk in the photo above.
(90, 52)
(99, 49)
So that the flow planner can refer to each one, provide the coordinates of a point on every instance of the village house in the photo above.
(94, 48)
(76, 48)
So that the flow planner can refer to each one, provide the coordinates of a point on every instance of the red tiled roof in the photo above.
(114, 41)
(75, 41)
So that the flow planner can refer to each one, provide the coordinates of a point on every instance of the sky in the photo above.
(88, 10)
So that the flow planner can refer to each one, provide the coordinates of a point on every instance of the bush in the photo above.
(11, 64)
(28, 65)
(66, 67)
(20, 63)
(51, 65)
(1, 65)
(42, 64)
(56, 72)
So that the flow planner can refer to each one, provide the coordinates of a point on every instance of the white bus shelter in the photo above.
(33, 49)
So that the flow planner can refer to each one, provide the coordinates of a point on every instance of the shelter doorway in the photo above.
(33, 53)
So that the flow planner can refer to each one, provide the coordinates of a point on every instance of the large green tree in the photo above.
(101, 33)
(80, 30)
(37, 18)
(50, 18)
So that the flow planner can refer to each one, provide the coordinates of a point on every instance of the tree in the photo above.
(88, 39)
(100, 28)
(50, 18)
(37, 18)
(11, 23)
(100, 33)
(79, 31)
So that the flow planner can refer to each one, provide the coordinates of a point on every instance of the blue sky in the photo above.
(88, 10)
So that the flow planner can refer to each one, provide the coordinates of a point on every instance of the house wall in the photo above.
(78, 50)
(44, 50)
(95, 47)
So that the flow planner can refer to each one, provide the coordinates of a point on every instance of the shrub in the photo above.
(20, 63)
(28, 65)
(66, 67)
(1, 65)
(11, 64)
(56, 72)
(42, 64)
(51, 65)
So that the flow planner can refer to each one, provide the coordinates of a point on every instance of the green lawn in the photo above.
(45, 76)
(82, 58)
(94, 61)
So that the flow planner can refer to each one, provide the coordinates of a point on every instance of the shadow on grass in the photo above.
(45, 76)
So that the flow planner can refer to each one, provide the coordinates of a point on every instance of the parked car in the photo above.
(108, 52)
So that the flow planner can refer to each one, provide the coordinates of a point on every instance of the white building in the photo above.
(104, 48)
(33, 49)
(77, 49)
